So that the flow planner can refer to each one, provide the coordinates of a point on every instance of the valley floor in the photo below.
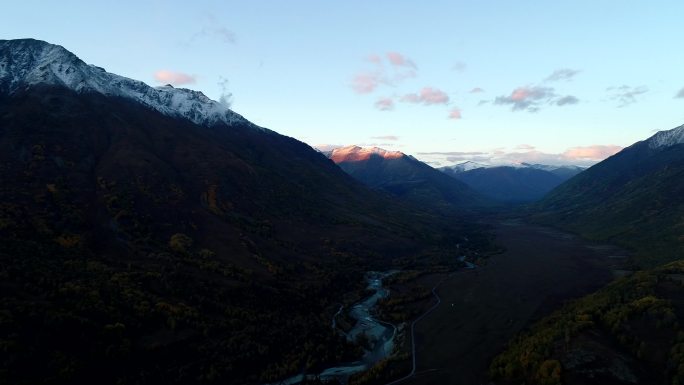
(482, 309)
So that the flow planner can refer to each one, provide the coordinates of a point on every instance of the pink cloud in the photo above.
(173, 78)
(427, 95)
(455, 113)
(400, 60)
(476, 90)
(365, 82)
(384, 104)
(521, 93)
(596, 152)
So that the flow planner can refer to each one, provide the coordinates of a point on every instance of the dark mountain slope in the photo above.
(405, 177)
(152, 236)
(626, 333)
(635, 198)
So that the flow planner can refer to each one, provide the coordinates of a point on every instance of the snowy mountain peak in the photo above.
(466, 166)
(667, 138)
(356, 153)
(25, 63)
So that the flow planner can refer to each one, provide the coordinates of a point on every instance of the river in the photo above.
(380, 335)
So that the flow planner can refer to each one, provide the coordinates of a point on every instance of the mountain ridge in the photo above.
(512, 184)
(28, 62)
(632, 198)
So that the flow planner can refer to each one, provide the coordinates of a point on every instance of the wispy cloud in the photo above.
(366, 82)
(386, 137)
(226, 97)
(459, 66)
(532, 98)
(562, 74)
(400, 68)
(591, 153)
(214, 29)
(476, 90)
(399, 60)
(427, 96)
(580, 156)
(174, 78)
(453, 153)
(526, 98)
(455, 113)
(567, 100)
(626, 95)
(680, 94)
(384, 104)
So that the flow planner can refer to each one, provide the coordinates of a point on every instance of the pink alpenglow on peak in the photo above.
(357, 154)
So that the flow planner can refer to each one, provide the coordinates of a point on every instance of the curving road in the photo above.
(413, 324)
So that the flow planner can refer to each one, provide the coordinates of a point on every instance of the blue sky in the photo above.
(561, 81)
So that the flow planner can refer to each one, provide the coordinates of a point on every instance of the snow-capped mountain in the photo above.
(404, 176)
(565, 172)
(666, 138)
(465, 166)
(356, 153)
(25, 63)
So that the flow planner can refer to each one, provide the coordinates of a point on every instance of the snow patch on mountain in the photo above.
(25, 63)
(667, 138)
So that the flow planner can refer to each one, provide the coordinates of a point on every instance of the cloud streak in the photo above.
(386, 137)
(214, 29)
(592, 153)
(526, 98)
(427, 96)
(579, 156)
(562, 74)
(400, 68)
(626, 95)
(399, 60)
(366, 82)
(567, 100)
(174, 78)
(459, 66)
(532, 98)
(384, 104)
(226, 97)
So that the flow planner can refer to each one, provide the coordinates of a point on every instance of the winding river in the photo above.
(380, 335)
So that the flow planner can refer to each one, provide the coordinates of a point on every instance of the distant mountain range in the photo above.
(635, 198)
(153, 233)
(522, 183)
(405, 177)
